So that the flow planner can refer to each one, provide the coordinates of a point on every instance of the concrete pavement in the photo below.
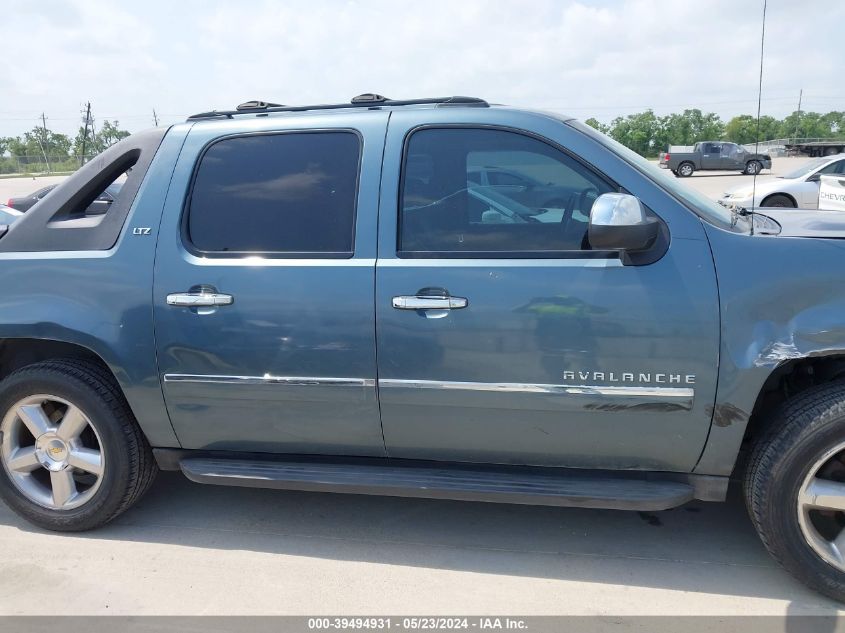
(192, 549)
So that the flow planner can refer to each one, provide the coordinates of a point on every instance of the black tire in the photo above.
(780, 201)
(753, 167)
(802, 431)
(129, 464)
(685, 170)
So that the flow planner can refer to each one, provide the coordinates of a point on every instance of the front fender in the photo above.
(781, 299)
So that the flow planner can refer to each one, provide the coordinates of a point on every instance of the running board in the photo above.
(573, 489)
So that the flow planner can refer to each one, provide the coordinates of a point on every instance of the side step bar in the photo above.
(573, 489)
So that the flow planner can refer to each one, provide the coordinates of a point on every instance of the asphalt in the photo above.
(193, 549)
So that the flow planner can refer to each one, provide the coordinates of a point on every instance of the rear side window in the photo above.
(287, 194)
(536, 202)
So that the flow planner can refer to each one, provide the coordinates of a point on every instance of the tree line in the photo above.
(41, 149)
(648, 134)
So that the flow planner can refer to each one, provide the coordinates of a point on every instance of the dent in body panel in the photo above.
(727, 414)
(781, 299)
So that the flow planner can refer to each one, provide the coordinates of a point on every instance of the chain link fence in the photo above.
(33, 165)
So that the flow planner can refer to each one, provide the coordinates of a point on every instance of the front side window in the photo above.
(731, 150)
(443, 209)
(287, 193)
(833, 168)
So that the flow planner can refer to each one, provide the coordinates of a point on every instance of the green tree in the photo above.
(807, 125)
(637, 132)
(100, 140)
(595, 124)
(743, 129)
(37, 142)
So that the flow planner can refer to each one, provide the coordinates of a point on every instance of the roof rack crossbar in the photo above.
(360, 103)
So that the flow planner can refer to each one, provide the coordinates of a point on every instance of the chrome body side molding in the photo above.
(512, 387)
(267, 379)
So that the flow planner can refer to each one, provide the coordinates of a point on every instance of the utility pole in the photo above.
(798, 119)
(155, 117)
(85, 133)
(44, 141)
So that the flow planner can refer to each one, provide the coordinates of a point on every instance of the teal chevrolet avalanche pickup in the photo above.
(433, 298)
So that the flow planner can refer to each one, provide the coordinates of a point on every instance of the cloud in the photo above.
(588, 59)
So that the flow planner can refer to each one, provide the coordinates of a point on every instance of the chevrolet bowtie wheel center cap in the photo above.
(52, 452)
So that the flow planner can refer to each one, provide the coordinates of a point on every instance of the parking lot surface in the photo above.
(192, 549)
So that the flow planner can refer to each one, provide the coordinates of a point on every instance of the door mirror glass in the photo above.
(618, 221)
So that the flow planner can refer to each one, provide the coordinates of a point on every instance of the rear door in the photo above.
(711, 156)
(263, 294)
(502, 337)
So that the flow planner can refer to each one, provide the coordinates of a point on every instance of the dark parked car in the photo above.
(23, 203)
(518, 185)
(100, 205)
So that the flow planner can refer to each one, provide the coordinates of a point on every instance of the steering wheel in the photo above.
(586, 199)
(582, 201)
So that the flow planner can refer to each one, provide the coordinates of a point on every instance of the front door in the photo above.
(263, 296)
(733, 156)
(502, 338)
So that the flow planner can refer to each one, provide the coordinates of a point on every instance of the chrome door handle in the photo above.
(414, 302)
(199, 299)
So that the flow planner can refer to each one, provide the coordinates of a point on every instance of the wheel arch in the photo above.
(780, 193)
(144, 400)
(788, 379)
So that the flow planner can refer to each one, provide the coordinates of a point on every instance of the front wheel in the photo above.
(73, 457)
(780, 201)
(753, 167)
(795, 488)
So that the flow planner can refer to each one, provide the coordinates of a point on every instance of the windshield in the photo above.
(700, 203)
(806, 168)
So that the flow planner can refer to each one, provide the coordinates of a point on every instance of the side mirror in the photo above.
(815, 178)
(618, 222)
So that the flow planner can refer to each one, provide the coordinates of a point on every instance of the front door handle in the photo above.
(199, 299)
(418, 302)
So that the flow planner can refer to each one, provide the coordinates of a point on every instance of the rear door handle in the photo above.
(199, 299)
(416, 302)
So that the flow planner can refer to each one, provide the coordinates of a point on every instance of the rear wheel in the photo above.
(73, 457)
(753, 167)
(685, 170)
(795, 488)
(779, 200)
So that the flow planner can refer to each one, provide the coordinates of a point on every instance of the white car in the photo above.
(832, 193)
(799, 189)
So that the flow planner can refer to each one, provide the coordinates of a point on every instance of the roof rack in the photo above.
(366, 100)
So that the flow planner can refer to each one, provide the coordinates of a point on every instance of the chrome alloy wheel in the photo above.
(686, 170)
(51, 452)
(821, 507)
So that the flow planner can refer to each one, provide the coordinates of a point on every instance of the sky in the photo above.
(602, 59)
